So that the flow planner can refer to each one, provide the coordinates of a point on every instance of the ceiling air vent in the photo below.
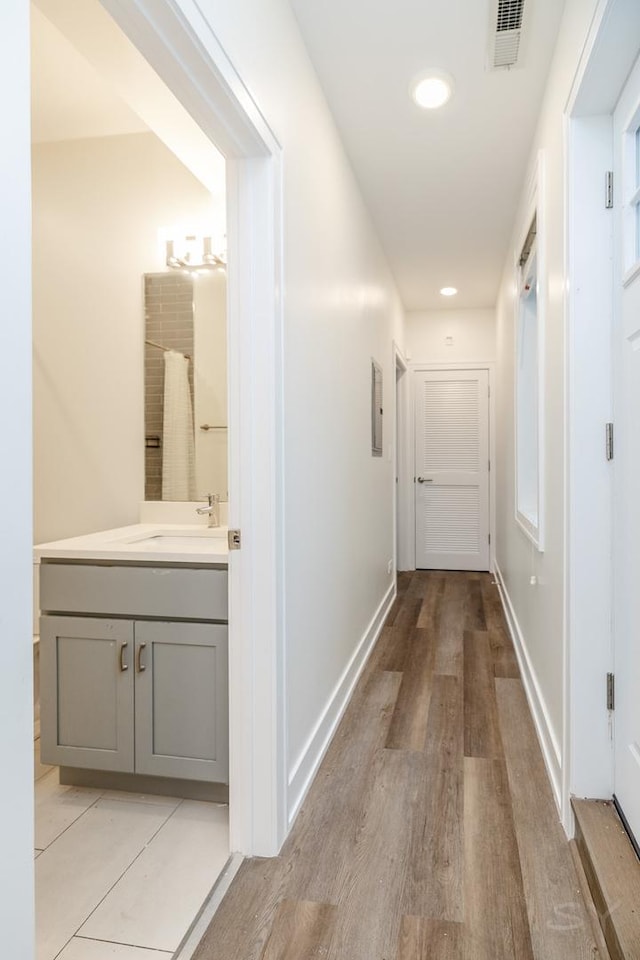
(506, 34)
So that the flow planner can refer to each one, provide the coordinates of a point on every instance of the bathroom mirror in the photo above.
(185, 385)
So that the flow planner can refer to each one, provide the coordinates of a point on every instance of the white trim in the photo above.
(399, 358)
(490, 367)
(178, 42)
(631, 274)
(587, 654)
(546, 737)
(404, 558)
(536, 208)
(417, 365)
(629, 190)
(310, 758)
(16, 550)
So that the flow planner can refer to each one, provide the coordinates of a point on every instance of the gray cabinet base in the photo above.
(139, 783)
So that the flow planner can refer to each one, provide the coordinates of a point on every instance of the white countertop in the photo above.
(146, 542)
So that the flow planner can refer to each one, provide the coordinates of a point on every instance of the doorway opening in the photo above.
(452, 468)
(177, 50)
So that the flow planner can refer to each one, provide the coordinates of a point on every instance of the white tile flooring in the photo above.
(120, 876)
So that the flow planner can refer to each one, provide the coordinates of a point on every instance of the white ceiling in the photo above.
(442, 186)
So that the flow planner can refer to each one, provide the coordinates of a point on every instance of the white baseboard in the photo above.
(306, 766)
(548, 741)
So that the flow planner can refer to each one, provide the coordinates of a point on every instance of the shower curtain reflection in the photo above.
(178, 453)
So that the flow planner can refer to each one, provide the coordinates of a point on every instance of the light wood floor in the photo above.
(430, 832)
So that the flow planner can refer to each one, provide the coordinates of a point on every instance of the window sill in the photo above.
(531, 531)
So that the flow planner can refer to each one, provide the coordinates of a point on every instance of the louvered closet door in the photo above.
(452, 469)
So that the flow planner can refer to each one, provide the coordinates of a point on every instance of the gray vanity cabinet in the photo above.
(87, 703)
(181, 700)
(124, 691)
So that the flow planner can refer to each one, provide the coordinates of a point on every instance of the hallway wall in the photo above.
(538, 609)
(472, 333)
(341, 308)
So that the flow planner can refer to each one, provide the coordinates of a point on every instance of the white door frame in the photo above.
(417, 367)
(16, 547)
(588, 654)
(179, 44)
(403, 559)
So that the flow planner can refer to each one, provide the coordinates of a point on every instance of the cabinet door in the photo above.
(181, 700)
(86, 677)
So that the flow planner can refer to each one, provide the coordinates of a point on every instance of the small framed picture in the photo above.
(376, 409)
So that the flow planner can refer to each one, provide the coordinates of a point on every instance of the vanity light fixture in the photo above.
(448, 291)
(197, 255)
(432, 89)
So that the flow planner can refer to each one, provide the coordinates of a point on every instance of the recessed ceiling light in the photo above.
(448, 291)
(433, 90)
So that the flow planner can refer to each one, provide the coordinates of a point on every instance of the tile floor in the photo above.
(120, 876)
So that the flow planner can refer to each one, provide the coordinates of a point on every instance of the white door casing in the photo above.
(626, 464)
(452, 469)
(180, 45)
(403, 459)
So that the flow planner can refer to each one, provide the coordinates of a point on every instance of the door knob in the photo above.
(425, 479)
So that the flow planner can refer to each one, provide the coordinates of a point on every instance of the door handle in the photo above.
(425, 479)
(123, 666)
(141, 666)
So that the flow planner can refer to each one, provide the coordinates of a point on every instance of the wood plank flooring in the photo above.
(430, 832)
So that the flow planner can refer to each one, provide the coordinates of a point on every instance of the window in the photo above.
(528, 388)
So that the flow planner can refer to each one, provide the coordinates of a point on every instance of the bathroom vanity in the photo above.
(133, 660)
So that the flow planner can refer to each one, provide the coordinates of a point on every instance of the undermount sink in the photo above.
(178, 537)
(163, 540)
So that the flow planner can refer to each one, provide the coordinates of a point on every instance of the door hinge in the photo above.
(234, 539)
(609, 441)
(489, 465)
(611, 691)
(489, 538)
(608, 201)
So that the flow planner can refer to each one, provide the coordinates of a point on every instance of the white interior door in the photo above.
(626, 464)
(452, 469)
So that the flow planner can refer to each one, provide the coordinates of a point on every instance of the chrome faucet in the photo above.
(213, 509)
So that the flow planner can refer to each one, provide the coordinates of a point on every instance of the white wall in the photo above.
(472, 336)
(16, 718)
(341, 309)
(98, 205)
(539, 609)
